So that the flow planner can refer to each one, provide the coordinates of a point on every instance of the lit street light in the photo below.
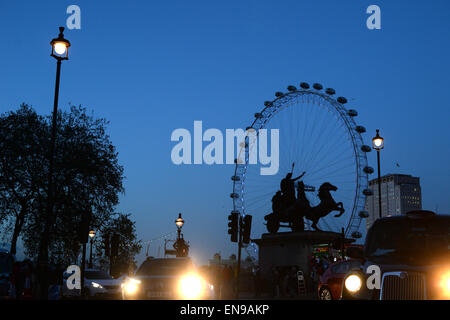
(378, 144)
(179, 223)
(180, 246)
(60, 50)
(91, 235)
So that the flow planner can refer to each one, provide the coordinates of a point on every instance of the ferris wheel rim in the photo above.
(359, 150)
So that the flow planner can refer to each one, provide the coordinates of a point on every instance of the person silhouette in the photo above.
(287, 186)
(277, 203)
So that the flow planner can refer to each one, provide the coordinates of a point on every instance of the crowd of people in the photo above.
(318, 265)
(24, 284)
(284, 281)
(223, 280)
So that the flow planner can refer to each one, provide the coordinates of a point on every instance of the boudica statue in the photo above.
(288, 208)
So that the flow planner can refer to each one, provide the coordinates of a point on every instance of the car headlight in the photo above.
(353, 283)
(444, 284)
(131, 286)
(191, 287)
(96, 285)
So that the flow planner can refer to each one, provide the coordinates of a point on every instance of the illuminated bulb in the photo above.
(60, 48)
(377, 142)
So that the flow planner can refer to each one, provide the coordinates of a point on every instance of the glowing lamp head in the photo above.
(377, 141)
(353, 283)
(179, 222)
(91, 234)
(60, 46)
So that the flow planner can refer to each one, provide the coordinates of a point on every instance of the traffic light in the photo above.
(233, 225)
(115, 245)
(246, 228)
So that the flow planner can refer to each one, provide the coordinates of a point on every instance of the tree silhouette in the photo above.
(87, 177)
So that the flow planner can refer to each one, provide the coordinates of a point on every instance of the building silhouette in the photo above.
(400, 193)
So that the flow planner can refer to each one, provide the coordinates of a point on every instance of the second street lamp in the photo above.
(91, 235)
(378, 144)
(179, 222)
(60, 49)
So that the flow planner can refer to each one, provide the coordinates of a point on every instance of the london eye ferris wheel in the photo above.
(320, 135)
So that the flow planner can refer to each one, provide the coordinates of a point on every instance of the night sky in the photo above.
(150, 67)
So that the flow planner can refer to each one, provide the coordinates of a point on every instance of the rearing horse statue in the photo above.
(326, 205)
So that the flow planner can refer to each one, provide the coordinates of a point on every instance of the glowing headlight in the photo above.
(191, 287)
(96, 285)
(131, 286)
(353, 283)
(445, 284)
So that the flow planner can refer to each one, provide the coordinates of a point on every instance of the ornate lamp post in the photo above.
(179, 222)
(60, 49)
(378, 144)
(180, 246)
(91, 235)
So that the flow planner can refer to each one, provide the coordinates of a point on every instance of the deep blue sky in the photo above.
(153, 66)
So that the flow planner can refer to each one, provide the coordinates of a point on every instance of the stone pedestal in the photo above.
(290, 249)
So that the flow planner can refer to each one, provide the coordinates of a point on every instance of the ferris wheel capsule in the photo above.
(304, 85)
(268, 103)
(363, 214)
(368, 170)
(330, 91)
(317, 86)
(279, 94)
(360, 129)
(342, 100)
(292, 88)
(258, 115)
(366, 148)
(352, 112)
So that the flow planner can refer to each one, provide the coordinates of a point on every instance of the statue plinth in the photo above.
(290, 249)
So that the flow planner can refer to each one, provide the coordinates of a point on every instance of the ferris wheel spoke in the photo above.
(325, 148)
(325, 171)
(330, 144)
(316, 146)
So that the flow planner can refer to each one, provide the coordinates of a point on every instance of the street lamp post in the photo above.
(91, 235)
(378, 144)
(179, 222)
(180, 246)
(60, 48)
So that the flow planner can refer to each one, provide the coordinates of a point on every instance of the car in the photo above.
(405, 257)
(6, 268)
(166, 278)
(97, 284)
(331, 281)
